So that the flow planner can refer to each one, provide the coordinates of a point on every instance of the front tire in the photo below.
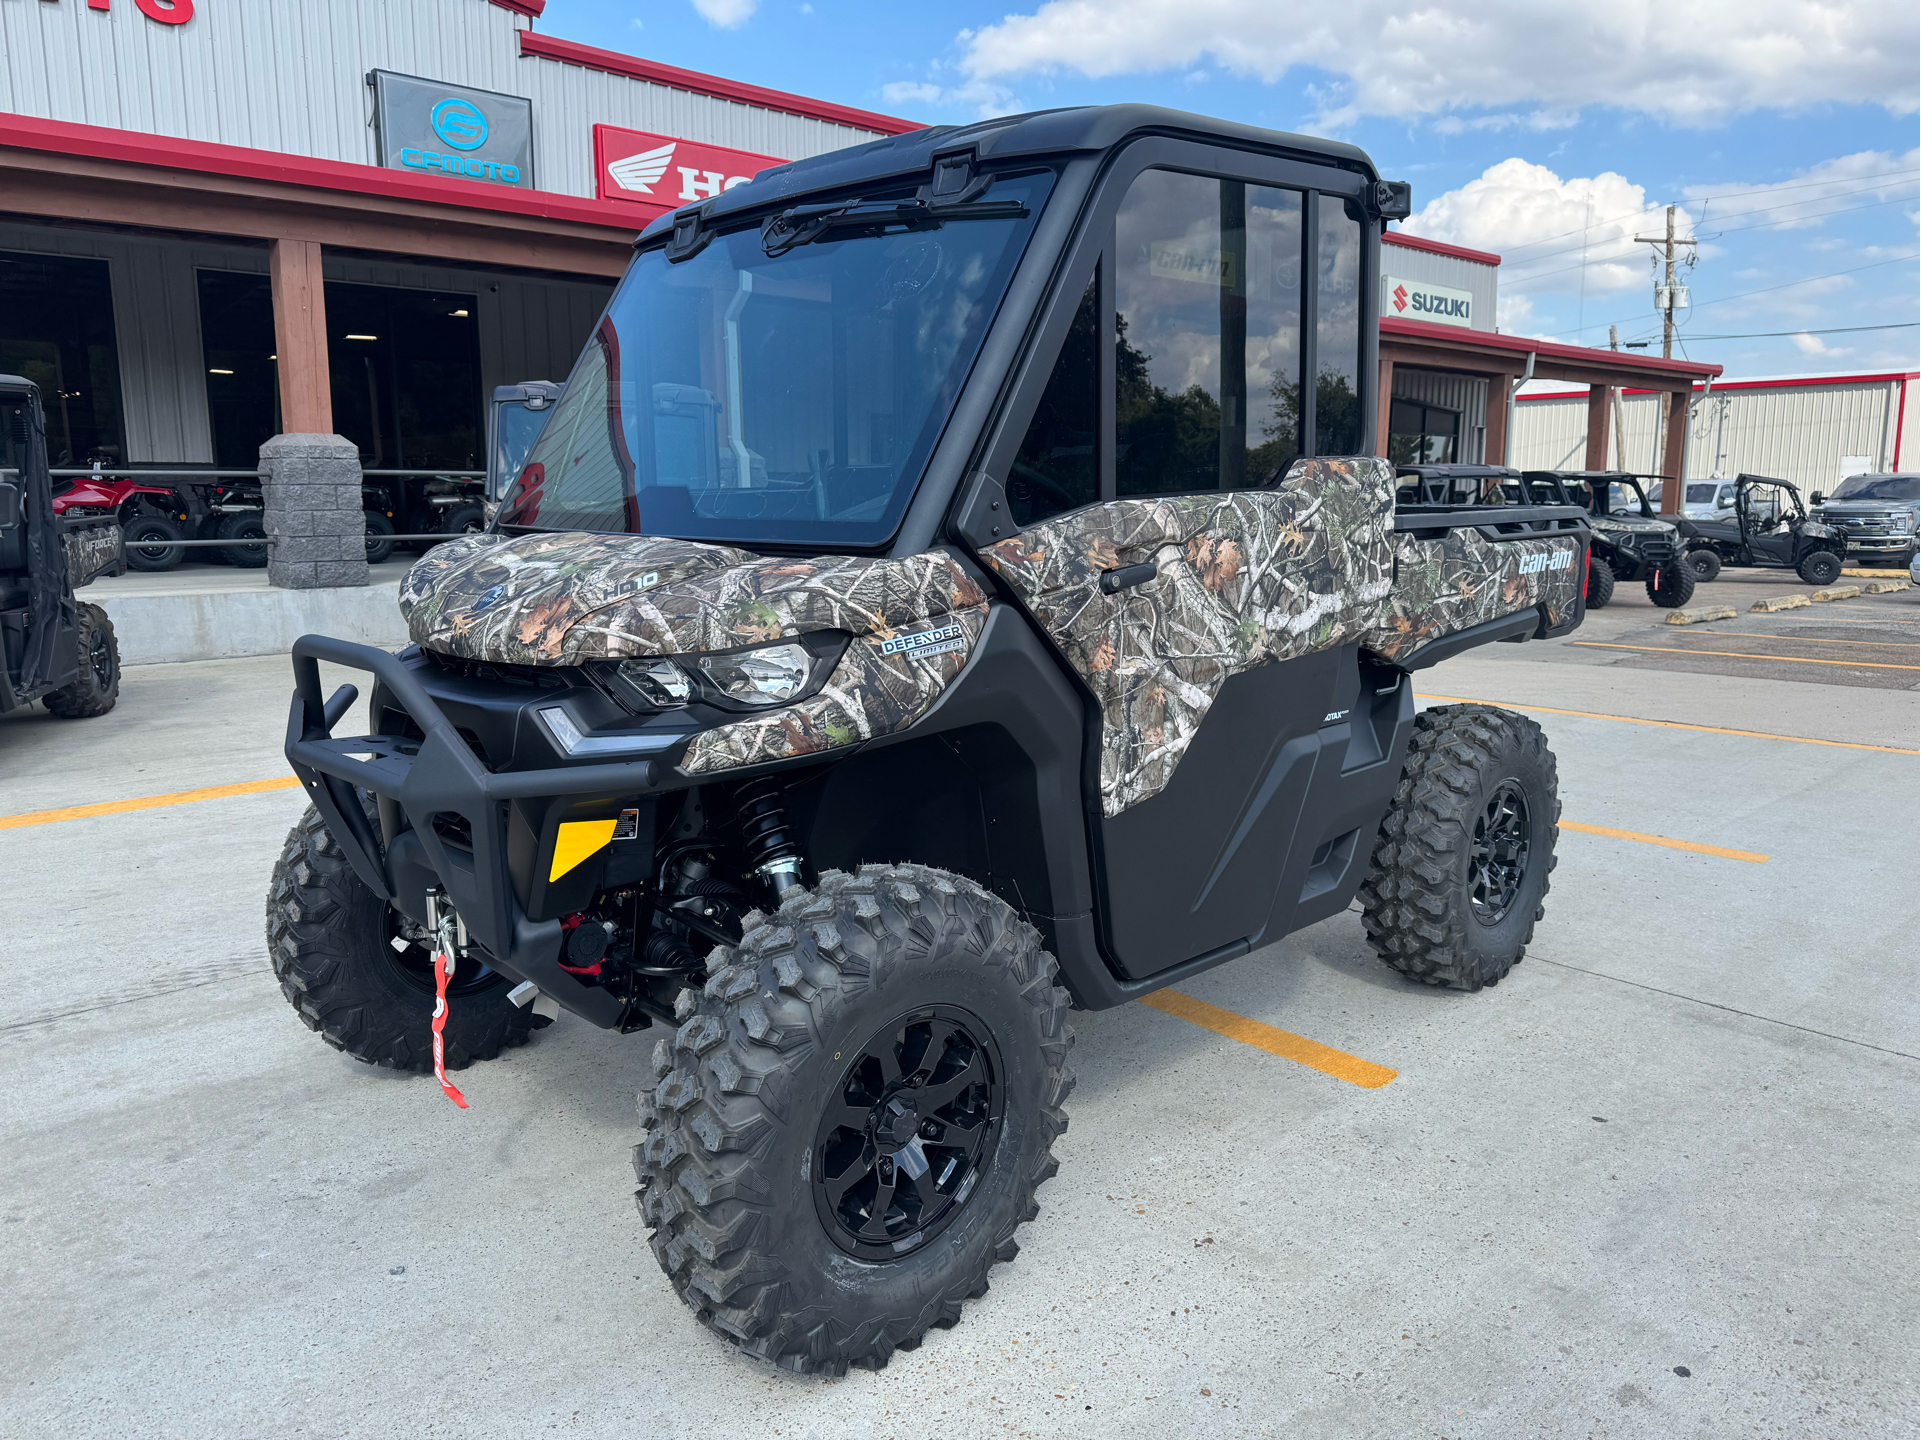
(1672, 586)
(1819, 567)
(1600, 583)
(249, 532)
(1706, 565)
(331, 943)
(153, 543)
(900, 997)
(1461, 863)
(95, 690)
(380, 530)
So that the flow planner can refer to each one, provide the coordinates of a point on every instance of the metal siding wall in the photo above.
(1464, 393)
(1480, 281)
(1797, 433)
(290, 75)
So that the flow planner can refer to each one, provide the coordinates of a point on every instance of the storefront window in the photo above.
(236, 339)
(1207, 334)
(406, 375)
(56, 329)
(1422, 434)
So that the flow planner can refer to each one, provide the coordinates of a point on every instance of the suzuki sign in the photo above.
(1418, 300)
(664, 173)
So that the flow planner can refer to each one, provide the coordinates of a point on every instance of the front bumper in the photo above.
(484, 836)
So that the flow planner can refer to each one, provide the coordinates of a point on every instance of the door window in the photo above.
(1058, 467)
(1206, 334)
(1337, 348)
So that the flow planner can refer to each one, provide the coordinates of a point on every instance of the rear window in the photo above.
(1700, 494)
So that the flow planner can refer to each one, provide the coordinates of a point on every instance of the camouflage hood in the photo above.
(1629, 525)
(567, 597)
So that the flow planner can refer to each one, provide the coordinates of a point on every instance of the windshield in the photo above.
(1878, 487)
(1701, 494)
(516, 425)
(741, 398)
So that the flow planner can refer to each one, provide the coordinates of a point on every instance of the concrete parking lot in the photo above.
(1661, 1181)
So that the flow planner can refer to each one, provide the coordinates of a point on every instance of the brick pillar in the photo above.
(311, 486)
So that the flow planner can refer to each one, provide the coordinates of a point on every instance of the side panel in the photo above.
(1459, 578)
(1241, 579)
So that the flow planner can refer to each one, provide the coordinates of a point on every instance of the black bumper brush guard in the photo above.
(456, 831)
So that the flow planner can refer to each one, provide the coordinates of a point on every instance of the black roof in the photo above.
(1458, 471)
(1043, 132)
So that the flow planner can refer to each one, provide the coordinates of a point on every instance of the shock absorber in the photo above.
(765, 835)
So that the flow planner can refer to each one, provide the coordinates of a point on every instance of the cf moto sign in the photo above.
(453, 132)
(664, 173)
(1418, 300)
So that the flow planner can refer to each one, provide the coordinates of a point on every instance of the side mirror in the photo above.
(1815, 497)
(9, 500)
(1725, 502)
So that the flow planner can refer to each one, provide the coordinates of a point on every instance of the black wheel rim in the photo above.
(908, 1132)
(100, 657)
(1497, 864)
(413, 962)
(151, 543)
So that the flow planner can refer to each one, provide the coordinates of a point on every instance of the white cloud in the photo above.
(986, 100)
(1547, 230)
(726, 14)
(1813, 345)
(1695, 64)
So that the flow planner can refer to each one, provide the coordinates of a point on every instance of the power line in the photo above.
(1826, 330)
(1764, 290)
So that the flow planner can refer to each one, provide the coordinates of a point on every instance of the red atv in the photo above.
(154, 519)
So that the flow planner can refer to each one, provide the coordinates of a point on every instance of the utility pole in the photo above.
(1665, 297)
(1614, 404)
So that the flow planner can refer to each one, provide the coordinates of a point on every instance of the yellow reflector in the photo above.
(576, 841)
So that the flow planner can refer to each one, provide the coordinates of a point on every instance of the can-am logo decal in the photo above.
(664, 172)
(926, 642)
(1547, 560)
(1437, 304)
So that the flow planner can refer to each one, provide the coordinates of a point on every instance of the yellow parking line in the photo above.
(1647, 840)
(1274, 1041)
(1670, 725)
(1742, 655)
(1799, 639)
(146, 803)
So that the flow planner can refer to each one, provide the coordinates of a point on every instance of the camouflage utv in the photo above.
(953, 590)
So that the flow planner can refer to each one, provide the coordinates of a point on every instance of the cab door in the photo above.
(1204, 575)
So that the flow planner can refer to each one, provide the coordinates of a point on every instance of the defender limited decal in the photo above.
(1550, 560)
(939, 641)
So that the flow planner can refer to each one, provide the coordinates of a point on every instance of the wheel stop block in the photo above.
(1883, 587)
(1697, 617)
(1837, 592)
(1780, 602)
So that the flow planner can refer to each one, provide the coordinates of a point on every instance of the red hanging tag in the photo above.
(440, 1020)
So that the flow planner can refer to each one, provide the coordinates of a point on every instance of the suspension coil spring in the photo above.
(762, 822)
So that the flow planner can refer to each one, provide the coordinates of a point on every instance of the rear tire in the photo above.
(1461, 863)
(1819, 567)
(466, 519)
(97, 687)
(329, 939)
(151, 543)
(1676, 585)
(249, 527)
(1706, 565)
(745, 1169)
(380, 531)
(1600, 583)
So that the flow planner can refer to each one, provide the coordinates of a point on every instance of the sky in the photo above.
(1785, 131)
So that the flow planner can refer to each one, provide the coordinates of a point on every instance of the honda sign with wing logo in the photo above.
(662, 172)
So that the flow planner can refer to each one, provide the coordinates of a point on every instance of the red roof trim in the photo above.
(530, 8)
(60, 137)
(1433, 247)
(1546, 349)
(570, 52)
(1789, 382)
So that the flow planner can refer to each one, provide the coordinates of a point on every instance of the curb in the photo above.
(1864, 571)
(1696, 617)
(1780, 602)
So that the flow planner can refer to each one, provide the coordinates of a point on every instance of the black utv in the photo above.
(1769, 527)
(57, 650)
(952, 589)
(1631, 542)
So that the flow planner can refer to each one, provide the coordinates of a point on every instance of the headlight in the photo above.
(771, 675)
(659, 683)
(1904, 523)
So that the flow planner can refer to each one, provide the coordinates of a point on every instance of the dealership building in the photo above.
(222, 220)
